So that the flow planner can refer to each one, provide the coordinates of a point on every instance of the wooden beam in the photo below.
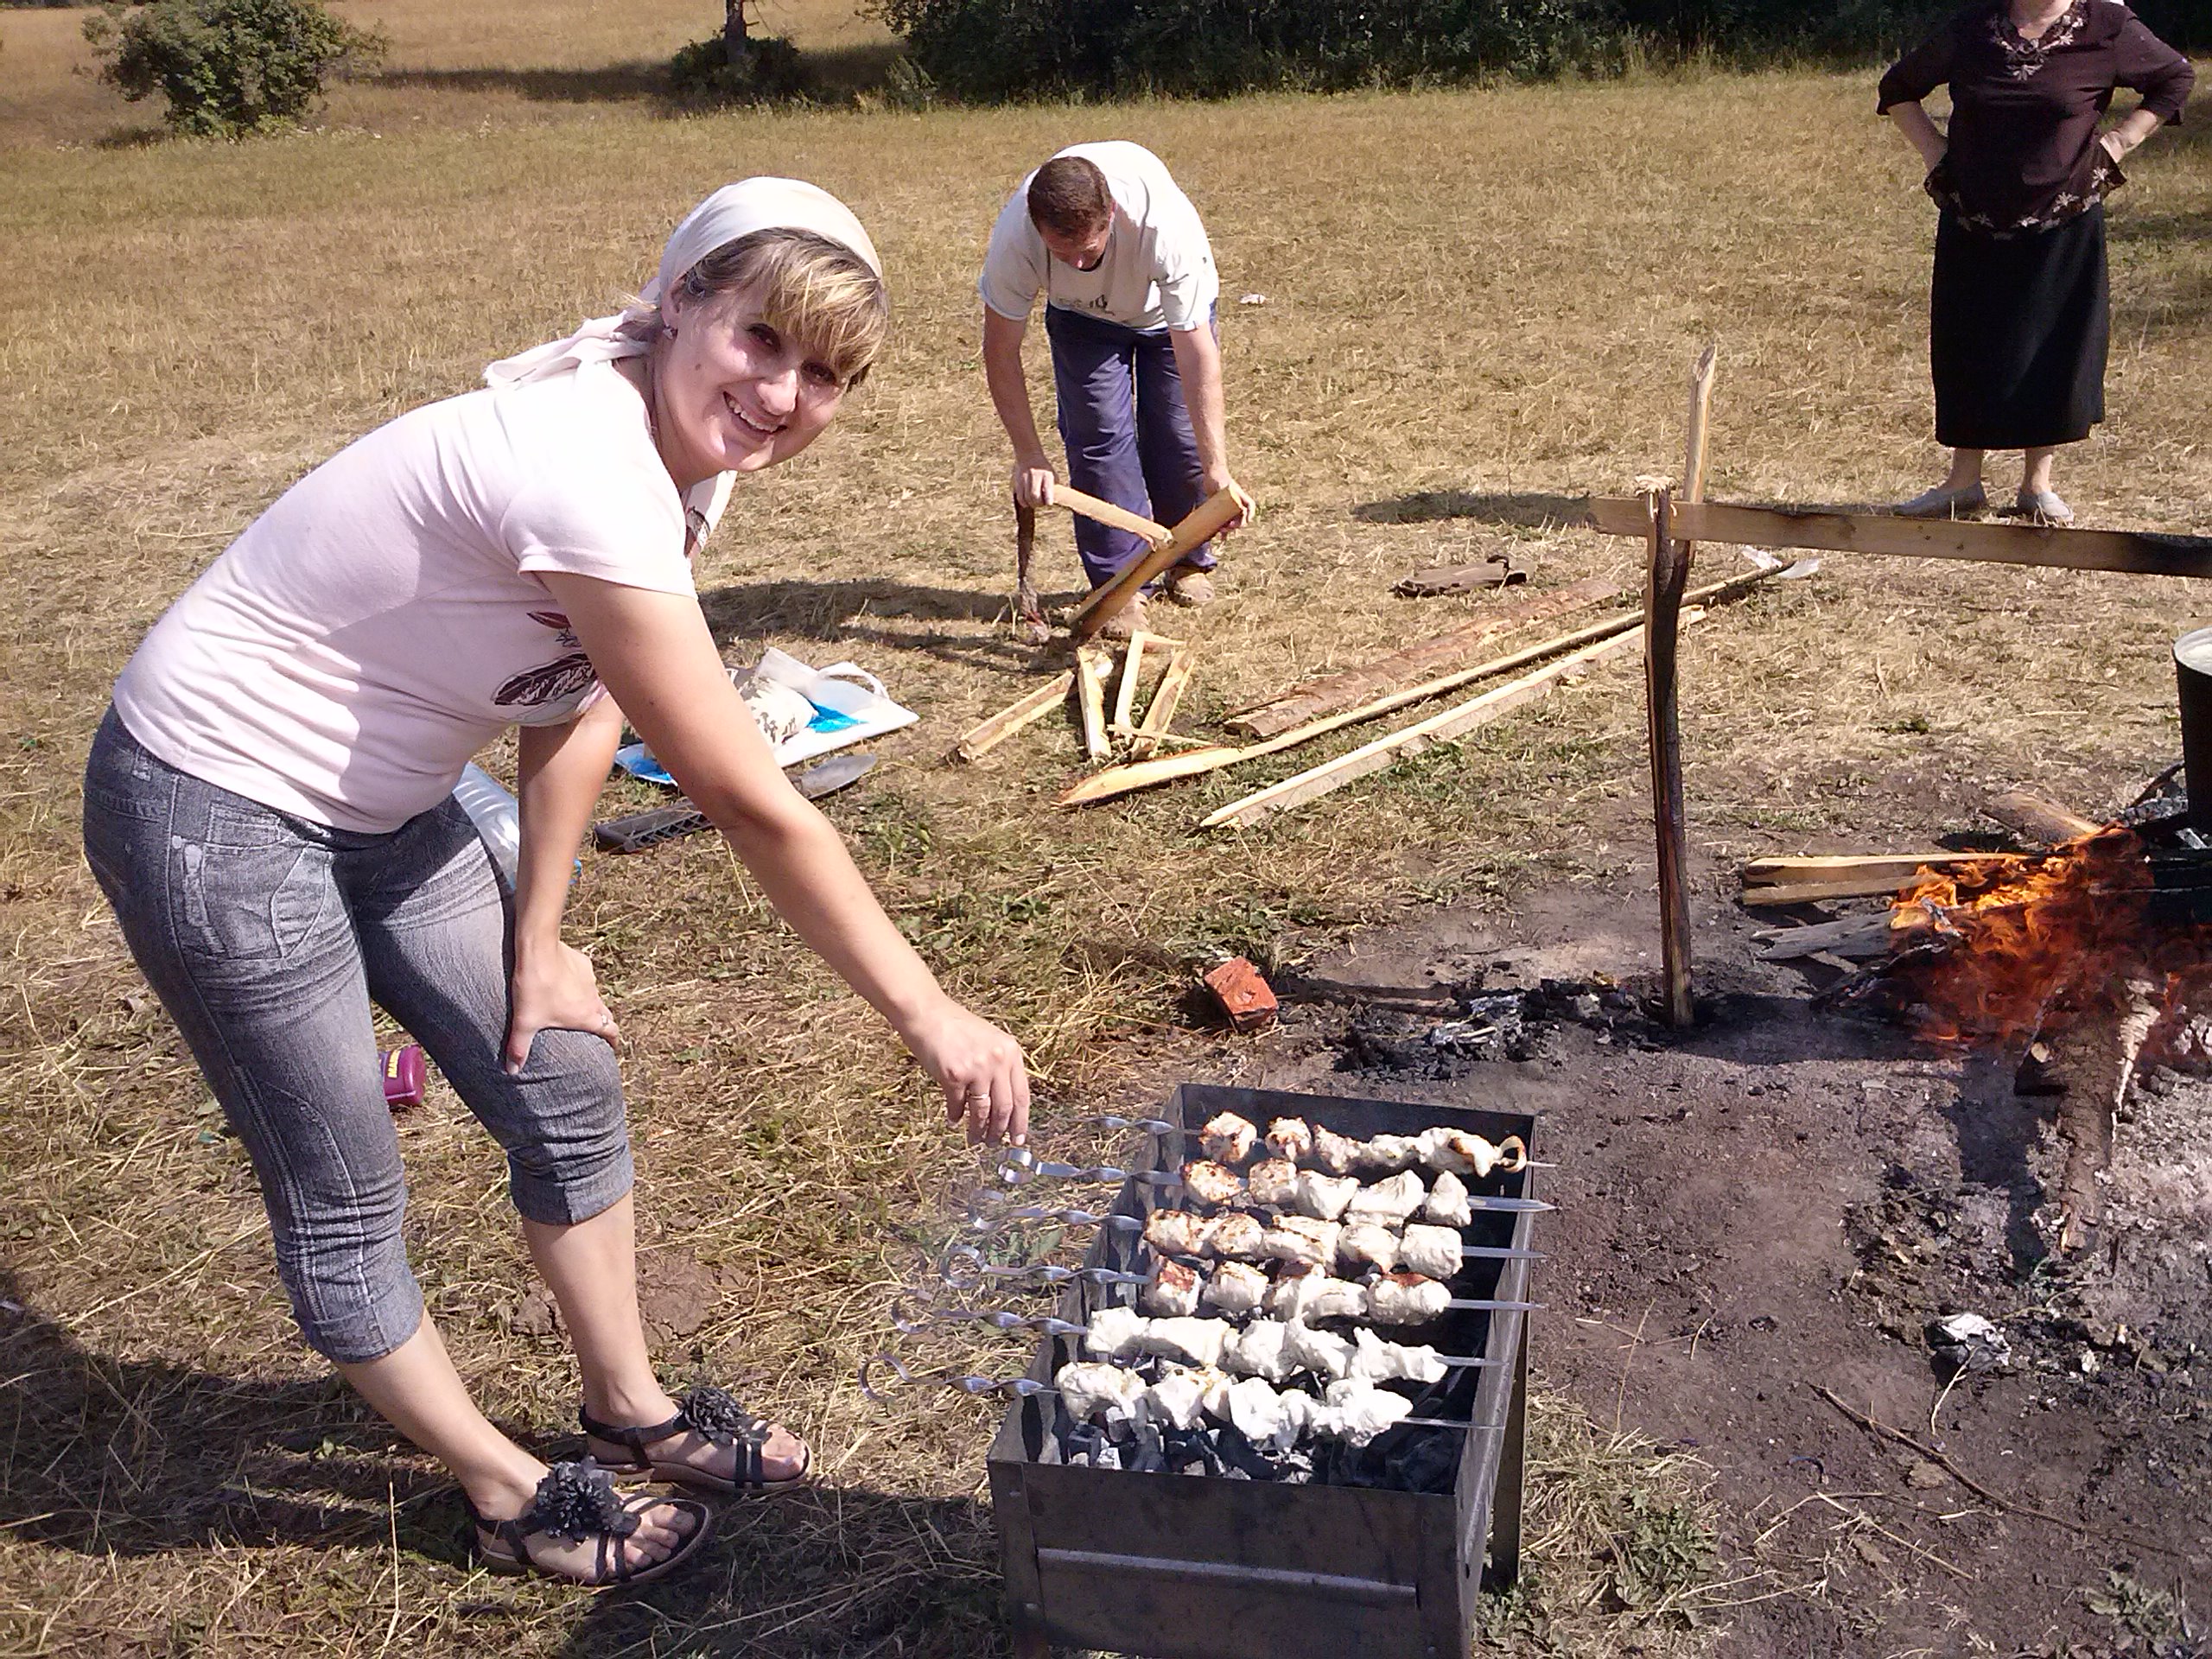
(1662, 606)
(1302, 703)
(1107, 513)
(1005, 723)
(1090, 695)
(1454, 722)
(1182, 662)
(1119, 780)
(1870, 885)
(2128, 552)
(1191, 532)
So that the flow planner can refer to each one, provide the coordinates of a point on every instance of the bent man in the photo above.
(1130, 302)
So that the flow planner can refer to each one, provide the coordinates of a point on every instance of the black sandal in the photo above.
(715, 1415)
(576, 1502)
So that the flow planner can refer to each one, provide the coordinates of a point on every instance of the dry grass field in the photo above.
(1474, 301)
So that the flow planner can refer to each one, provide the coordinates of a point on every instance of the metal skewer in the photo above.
(964, 1268)
(1028, 1387)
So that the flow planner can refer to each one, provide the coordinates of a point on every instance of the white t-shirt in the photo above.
(383, 621)
(1158, 270)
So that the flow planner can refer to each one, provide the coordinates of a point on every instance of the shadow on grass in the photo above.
(843, 612)
(133, 1458)
(615, 82)
(838, 73)
(1523, 510)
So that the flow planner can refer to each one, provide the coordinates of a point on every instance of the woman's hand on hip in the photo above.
(553, 989)
(979, 1067)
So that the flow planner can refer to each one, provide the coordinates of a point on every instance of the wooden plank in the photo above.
(1008, 720)
(1454, 722)
(1090, 694)
(2127, 552)
(2027, 813)
(1182, 663)
(1193, 532)
(1106, 513)
(1302, 703)
(1870, 885)
(1857, 937)
(1833, 867)
(1121, 780)
(1663, 606)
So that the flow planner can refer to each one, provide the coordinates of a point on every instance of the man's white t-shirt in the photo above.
(383, 619)
(1158, 270)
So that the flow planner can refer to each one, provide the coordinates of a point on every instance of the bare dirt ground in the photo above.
(1774, 1204)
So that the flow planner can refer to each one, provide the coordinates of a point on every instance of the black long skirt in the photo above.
(2017, 330)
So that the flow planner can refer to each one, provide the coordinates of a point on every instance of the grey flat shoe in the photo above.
(1943, 502)
(2044, 506)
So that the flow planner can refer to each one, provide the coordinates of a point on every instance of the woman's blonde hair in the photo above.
(809, 288)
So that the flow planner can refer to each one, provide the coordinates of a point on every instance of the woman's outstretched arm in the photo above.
(654, 654)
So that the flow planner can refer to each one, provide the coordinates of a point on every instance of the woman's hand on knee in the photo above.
(979, 1067)
(553, 989)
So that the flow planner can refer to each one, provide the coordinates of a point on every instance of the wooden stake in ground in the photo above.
(1180, 663)
(1663, 604)
(1091, 668)
(1303, 703)
(1193, 532)
(1005, 723)
(1029, 624)
(1454, 722)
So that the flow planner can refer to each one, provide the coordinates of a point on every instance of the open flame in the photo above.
(1998, 951)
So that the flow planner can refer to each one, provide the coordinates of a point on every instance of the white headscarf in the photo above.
(735, 211)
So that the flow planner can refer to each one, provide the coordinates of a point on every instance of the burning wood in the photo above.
(2071, 949)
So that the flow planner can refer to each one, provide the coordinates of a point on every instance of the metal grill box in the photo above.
(1198, 1566)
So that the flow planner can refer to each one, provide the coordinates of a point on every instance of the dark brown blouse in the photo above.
(2024, 153)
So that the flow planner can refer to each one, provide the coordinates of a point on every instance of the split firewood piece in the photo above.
(2029, 815)
(1191, 531)
(1454, 722)
(1125, 694)
(1091, 668)
(1107, 513)
(1289, 707)
(1181, 662)
(1005, 723)
(2097, 1058)
(1855, 938)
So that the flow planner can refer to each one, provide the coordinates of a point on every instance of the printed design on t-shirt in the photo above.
(694, 533)
(565, 677)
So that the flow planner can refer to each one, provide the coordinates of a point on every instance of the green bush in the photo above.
(771, 72)
(1000, 50)
(228, 67)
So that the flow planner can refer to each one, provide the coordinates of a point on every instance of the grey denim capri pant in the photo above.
(267, 937)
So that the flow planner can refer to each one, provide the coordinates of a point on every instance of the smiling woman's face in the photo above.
(735, 394)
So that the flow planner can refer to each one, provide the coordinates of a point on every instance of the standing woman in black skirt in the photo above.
(2017, 323)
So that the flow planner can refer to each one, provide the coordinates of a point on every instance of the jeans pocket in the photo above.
(245, 905)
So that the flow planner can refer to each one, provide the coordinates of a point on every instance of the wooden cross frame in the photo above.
(1670, 526)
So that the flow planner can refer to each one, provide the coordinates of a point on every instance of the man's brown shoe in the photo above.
(1125, 621)
(1186, 586)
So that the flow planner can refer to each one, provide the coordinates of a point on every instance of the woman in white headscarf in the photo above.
(269, 807)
